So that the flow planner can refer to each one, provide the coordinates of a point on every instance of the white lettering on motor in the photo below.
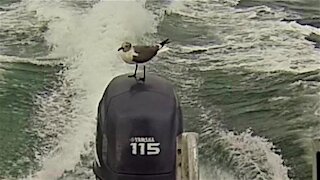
(144, 146)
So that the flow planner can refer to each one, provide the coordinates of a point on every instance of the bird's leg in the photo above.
(144, 74)
(135, 72)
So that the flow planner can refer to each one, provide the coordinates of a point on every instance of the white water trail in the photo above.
(89, 42)
(249, 156)
(254, 152)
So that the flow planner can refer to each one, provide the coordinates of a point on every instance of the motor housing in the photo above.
(137, 127)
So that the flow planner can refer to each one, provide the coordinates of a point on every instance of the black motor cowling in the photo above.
(138, 123)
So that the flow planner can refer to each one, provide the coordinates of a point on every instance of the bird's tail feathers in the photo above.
(164, 42)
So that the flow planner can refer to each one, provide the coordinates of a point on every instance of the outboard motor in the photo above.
(137, 130)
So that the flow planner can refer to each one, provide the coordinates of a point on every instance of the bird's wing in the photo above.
(145, 53)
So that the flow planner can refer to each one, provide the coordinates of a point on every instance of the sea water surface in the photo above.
(247, 73)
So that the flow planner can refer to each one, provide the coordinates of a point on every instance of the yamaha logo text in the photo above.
(144, 146)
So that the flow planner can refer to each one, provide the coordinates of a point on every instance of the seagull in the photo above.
(139, 54)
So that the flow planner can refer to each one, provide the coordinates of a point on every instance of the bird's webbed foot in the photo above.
(133, 75)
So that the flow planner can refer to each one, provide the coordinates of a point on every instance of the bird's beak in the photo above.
(120, 49)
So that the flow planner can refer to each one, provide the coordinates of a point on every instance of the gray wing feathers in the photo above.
(145, 53)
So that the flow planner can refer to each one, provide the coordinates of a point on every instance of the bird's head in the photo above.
(126, 46)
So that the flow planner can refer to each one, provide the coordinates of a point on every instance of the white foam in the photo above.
(247, 156)
(216, 173)
(90, 42)
(190, 49)
(279, 98)
(254, 152)
(46, 60)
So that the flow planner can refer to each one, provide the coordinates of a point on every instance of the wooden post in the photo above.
(187, 157)
(316, 159)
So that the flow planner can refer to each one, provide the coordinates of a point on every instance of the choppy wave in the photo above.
(224, 154)
(252, 41)
(40, 61)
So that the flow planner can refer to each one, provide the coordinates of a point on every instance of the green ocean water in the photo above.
(248, 83)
